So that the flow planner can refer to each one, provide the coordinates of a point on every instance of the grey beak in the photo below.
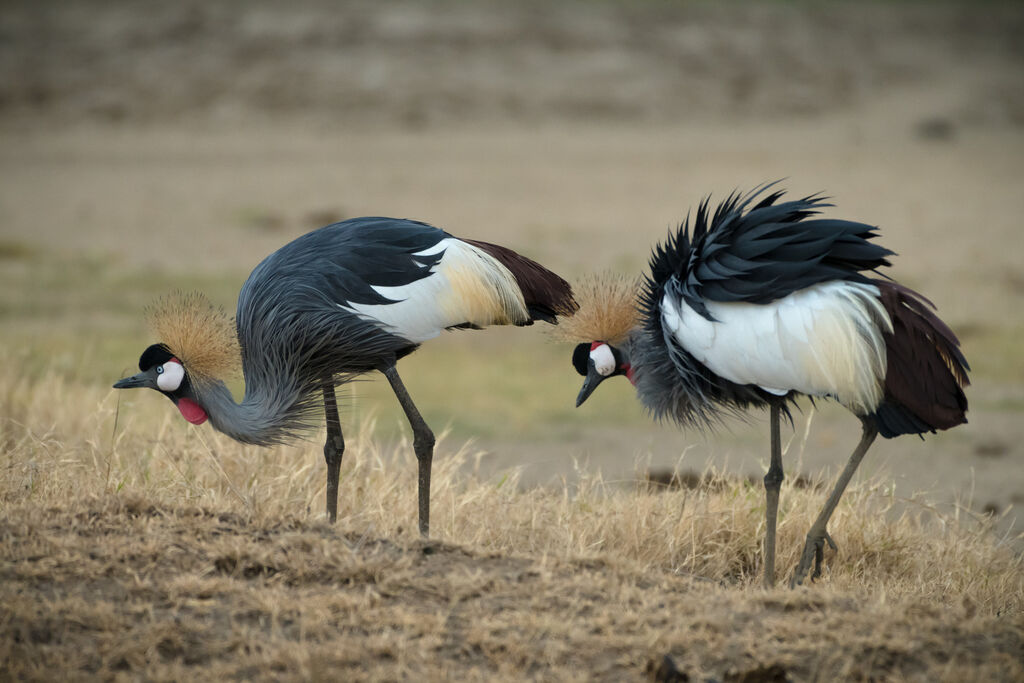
(134, 382)
(589, 384)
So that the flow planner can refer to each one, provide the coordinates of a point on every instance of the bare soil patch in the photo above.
(119, 585)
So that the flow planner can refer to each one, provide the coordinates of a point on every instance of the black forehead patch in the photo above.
(157, 354)
(581, 358)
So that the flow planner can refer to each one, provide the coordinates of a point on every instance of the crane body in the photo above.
(761, 303)
(335, 303)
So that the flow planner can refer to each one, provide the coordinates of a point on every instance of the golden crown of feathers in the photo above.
(200, 334)
(607, 310)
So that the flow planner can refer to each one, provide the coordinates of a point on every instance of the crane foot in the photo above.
(814, 551)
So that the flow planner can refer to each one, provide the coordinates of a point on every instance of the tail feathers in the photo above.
(926, 371)
(546, 294)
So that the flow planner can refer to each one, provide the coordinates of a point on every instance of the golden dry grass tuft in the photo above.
(137, 546)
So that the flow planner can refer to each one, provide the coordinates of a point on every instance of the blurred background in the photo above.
(149, 146)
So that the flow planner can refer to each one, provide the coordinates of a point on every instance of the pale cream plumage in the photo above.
(468, 285)
(823, 340)
(480, 289)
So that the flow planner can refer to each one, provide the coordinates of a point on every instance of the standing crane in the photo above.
(762, 303)
(340, 301)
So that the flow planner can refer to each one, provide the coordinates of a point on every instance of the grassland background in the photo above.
(151, 146)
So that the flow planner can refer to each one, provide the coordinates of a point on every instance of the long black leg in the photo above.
(772, 484)
(334, 447)
(814, 548)
(422, 443)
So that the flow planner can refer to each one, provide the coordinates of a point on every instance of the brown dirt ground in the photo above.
(120, 587)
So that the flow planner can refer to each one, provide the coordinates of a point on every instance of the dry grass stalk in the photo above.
(164, 551)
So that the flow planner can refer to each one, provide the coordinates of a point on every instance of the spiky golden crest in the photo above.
(201, 335)
(607, 310)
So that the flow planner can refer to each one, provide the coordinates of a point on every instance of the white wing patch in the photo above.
(822, 340)
(467, 285)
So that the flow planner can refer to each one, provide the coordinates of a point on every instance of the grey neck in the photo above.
(251, 421)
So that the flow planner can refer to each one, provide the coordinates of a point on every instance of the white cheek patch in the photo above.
(170, 378)
(604, 360)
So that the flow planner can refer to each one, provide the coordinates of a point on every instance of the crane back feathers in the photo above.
(200, 334)
(471, 284)
(927, 372)
(759, 252)
(479, 290)
(875, 346)
(465, 287)
(546, 295)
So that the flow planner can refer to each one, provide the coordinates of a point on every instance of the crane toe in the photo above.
(814, 551)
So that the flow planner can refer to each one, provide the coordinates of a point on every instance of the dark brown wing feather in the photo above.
(546, 294)
(926, 371)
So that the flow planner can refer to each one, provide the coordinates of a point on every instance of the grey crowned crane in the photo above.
(344, 300)
(763, 302)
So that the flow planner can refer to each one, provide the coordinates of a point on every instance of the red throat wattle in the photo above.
(191, 411)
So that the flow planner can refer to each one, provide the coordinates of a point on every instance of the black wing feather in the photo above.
(342, 262)
(756, 249)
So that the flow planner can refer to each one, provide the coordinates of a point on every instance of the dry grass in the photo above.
(159, 550)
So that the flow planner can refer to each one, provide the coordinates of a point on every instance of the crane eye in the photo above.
(169, 376)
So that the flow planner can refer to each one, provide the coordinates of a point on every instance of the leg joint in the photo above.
(423, 440)
(773, 479)
(333, 452)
